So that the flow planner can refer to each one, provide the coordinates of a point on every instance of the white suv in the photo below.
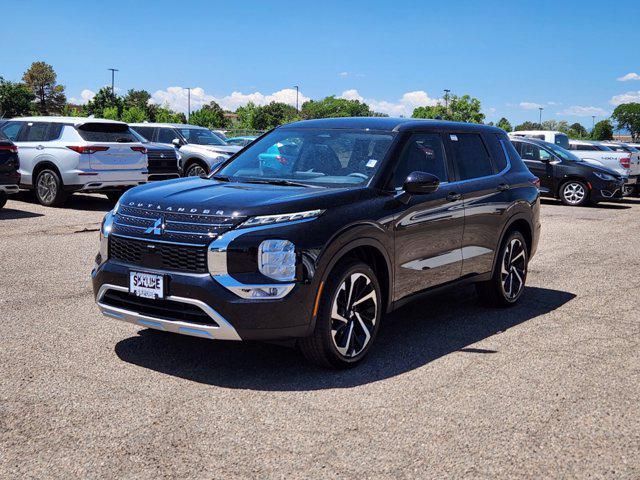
(61, 155)
(200, 149)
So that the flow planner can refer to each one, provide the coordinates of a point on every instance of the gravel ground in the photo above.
(550, 388)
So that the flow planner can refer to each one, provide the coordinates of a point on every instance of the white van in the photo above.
(551, 136)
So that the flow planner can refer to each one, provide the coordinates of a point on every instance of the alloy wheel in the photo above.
(514, 269)
(353, 314)
(47, 187)
(574, 193)
(196, 171)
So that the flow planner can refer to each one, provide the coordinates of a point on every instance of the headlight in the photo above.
(604, 176)
(277, 260)
(105, 230)
(284, 217)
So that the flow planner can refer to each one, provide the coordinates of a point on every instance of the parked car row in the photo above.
(62, 155)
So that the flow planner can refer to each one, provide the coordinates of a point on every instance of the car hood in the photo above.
(202, 195)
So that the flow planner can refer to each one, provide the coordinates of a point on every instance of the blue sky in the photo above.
(514, 57)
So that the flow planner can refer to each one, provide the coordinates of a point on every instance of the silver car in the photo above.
(200, 149)
(61, 155)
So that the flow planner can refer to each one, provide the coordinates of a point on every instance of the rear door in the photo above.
(31, 142)
(116, 147)
(538, 161)
(485, 195)
(428, 231)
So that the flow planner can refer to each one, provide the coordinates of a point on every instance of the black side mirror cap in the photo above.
(420, 183)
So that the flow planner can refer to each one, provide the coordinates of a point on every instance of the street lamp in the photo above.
(446, 98)
(297, 93)
(188, 103)
(540, 117)
(113, 72)
(593, 125)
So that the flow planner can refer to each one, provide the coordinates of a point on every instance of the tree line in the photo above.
(39, 93)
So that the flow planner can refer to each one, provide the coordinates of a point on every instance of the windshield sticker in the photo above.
(454, 137)
(372, 163)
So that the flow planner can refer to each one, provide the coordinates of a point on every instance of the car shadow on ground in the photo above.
(13, 214)
(411, 337)
(77, 201)
(611, 206)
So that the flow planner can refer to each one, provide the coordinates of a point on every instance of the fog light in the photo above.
(277, 259)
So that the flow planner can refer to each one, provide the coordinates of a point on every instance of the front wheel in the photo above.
(195, 170)
(49, 189)
(348, 317)
(508, 281)
(574, 193)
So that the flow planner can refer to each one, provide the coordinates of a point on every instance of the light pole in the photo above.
(593, 124)
(446, 98)
(113, 73)
(297, 93)
(188, 103)
(540, 117)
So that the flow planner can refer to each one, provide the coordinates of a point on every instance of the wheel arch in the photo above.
(520, 223)
(42, 165)
(568, 178)
(191, 160)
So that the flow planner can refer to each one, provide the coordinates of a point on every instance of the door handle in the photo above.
(453, 196)
(503, 186)
(40, 147)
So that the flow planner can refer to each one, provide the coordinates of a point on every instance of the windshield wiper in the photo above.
(222, 178)
(274, 181)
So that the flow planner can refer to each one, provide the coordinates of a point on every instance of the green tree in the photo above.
(15, 99)
(103, 100)
(71, 110)
(137, 98)
(274, 114)
(460, 109)
(209, 116)
(166, 115)
(528, 126)
(576, 130)
(603, 130)
(334, 107)
(627, 117)
(111, 113)
(558, 126)
(134, 114)
(247, 115)
(504, 124)
(41, 79)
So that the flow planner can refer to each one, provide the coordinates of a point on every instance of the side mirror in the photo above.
(176, 142)
(420, 183)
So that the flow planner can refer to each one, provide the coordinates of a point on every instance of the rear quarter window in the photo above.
(106, 132)
(470, 155)
(496, 151)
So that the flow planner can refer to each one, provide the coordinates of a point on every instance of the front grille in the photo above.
(160, 308)
(162, 161)
(161, 256)
(180, 227)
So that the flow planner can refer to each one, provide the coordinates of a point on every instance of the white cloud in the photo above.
(85, 96)
(402, 107)
(628, 97)
(629, 76)
(554, 103)
(529, 105)
(177, 98)
(344, 74)
(580, 111)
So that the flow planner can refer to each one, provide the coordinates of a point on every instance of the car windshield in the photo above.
(322, 157)
(201, 136)
(562, 153)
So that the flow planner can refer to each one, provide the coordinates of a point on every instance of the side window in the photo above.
(544, 155)
(55, 129)
(470, 155)
(424, 152)
(530, 152)
(11, 130)
(497, 152)
(146, 132)
(166, 135)
(37, 132)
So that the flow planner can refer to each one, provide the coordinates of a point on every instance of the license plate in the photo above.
(147, 285)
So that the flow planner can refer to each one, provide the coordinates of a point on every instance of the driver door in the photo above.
(428, 231)
(538, 161)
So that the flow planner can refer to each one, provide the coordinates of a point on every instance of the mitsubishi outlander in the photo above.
(319, 228)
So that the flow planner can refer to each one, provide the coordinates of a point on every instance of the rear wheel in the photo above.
(195, 170)
(508, 281)
(348, 317)
(574, 193)
(49, 188)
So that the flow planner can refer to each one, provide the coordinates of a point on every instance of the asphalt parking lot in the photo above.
(550, 388)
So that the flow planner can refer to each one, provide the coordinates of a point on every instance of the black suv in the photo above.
(563, 175)
(9, 163)
(318, 229)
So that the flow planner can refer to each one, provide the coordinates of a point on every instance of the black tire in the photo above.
(49, 189)
(3, 199)
(114, 196)
(195, 169)
(362, 315)
(574, 193)
(498, 292)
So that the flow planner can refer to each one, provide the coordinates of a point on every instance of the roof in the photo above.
(72, 120)
(166, 125)
(389, 124)
(535, 141)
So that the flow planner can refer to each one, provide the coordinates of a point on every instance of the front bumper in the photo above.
(234, 318)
